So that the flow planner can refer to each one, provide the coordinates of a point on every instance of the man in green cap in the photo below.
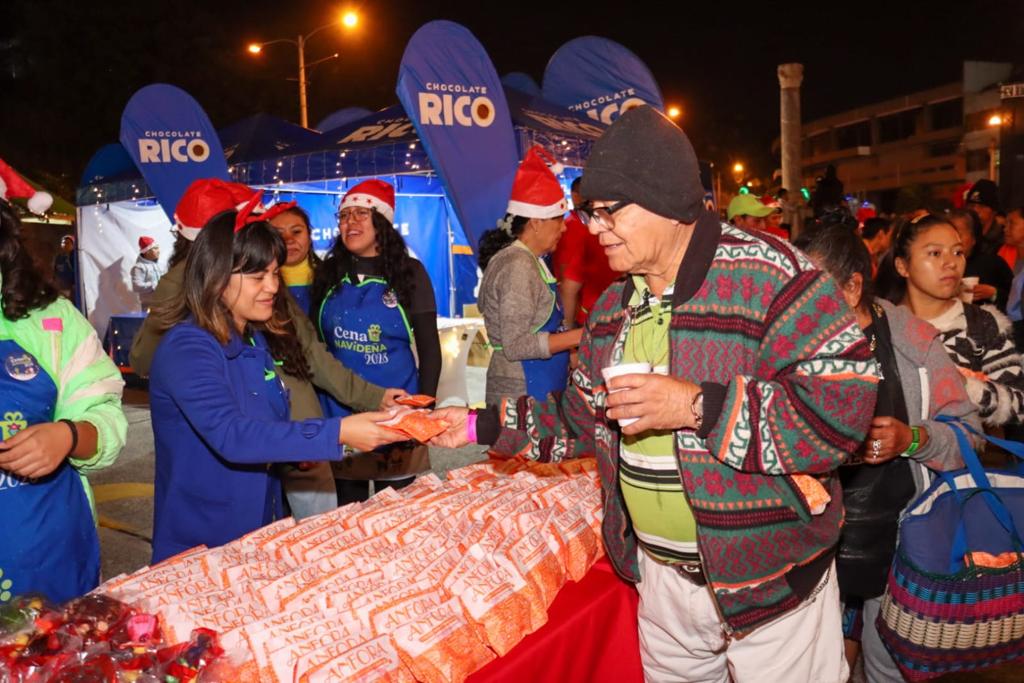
(748, 212)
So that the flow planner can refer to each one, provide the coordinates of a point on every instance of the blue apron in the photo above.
(544, 375)
(303, 296)
(49, 543)
(366, 329)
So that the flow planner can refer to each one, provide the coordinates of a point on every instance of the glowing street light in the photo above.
(349, 20)
(737, 167)
(674, 112)
(995, 120)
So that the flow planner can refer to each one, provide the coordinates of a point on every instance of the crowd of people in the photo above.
(796, 390)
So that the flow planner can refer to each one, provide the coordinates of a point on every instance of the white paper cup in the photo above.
(625, 369)
(967, 286)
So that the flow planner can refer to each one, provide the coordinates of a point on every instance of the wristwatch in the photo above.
(697, 408)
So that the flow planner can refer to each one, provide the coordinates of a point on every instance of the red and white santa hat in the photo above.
(535, 191)
(372, 194)
(13, 186)
(204, 199)
(146, 243)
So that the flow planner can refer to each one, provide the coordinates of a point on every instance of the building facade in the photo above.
(937, 139)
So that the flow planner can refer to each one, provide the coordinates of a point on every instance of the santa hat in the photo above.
(13, 186)
(372, 194)
(535, 190)
(204, 199)
(146, 243)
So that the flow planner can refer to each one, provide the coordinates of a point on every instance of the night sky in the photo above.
(78, 63)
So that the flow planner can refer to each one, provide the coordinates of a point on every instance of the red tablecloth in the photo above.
(590, 636)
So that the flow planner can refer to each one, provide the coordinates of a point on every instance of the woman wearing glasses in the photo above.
(518, 296)
(373, 303)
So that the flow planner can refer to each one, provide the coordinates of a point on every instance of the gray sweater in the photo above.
(515, 301)
(932, 386)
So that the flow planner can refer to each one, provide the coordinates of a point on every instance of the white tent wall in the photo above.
(108, 239)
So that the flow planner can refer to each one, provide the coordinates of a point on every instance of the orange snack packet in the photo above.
(441, 646)
(375, 660)
(280, 652)
(536, 557)
(416, 425)
(814, 493)
(278, 592)
(415, 400)
(581, 547)
(326, 653)
(392, 613)
(497, 598)
(332, 543)
(983, 559)
(386, 592)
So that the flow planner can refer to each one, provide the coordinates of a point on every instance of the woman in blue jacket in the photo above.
(220, 412)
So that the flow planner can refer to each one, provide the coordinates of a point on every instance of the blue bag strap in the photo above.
(983, 487)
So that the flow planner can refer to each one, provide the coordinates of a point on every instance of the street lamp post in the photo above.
(349, 20)
(994, 121)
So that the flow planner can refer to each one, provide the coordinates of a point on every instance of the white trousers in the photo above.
(681, 636)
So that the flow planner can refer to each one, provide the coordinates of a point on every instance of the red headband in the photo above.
(246, 216)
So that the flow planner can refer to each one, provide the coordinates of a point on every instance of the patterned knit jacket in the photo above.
(789, 388)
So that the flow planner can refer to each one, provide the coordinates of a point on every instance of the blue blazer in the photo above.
(220, 417)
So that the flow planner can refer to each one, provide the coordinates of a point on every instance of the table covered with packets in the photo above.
(494, 574)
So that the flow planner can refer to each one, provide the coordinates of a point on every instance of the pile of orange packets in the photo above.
(429, 583)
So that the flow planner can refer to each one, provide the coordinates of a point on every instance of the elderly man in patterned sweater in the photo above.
(720, 500)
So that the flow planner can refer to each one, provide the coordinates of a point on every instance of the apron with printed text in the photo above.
(366, 329)
(50, 545)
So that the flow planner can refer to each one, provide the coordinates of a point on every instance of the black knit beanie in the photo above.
(645, 158)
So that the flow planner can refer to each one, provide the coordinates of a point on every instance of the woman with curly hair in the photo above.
(220, 409)
(60, 398)
(375, 309)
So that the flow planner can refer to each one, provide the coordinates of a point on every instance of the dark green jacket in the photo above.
(328, 373)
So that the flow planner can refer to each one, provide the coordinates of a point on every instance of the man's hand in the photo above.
(456, 435)
(36, 451)
(389, 398)
(657, 401)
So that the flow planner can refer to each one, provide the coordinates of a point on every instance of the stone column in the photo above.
(790, 78)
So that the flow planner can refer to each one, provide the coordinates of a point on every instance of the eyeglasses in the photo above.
(601, 215)
(356, 214)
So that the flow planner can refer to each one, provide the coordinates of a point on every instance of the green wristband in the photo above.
(915, 442)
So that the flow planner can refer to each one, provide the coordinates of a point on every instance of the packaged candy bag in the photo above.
(415, 400)
(581, 547)
(442, 645)
(386, 616)
(416, 425)
(278, 653)
(536, 555)
(497, 598)
(374, 660)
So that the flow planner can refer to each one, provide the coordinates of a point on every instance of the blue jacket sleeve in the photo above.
(194, 376)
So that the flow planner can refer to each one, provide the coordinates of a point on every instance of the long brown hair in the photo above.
(216, 254)
(24, 287)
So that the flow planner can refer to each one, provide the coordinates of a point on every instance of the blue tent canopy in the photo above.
(316, 169)
(262, 136)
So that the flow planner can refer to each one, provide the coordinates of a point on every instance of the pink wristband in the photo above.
(471, 427)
